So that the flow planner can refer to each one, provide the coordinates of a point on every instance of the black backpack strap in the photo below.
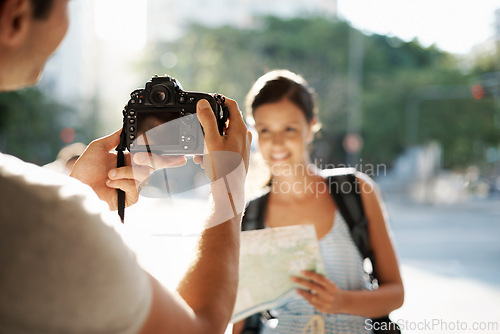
(346, 193)
(255, 213)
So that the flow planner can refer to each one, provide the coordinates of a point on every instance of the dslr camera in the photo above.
(161, 119)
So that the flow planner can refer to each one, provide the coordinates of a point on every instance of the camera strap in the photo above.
(120, 162)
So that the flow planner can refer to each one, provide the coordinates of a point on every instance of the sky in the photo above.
(453, 25)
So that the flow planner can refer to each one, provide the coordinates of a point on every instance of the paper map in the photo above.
(268, 258)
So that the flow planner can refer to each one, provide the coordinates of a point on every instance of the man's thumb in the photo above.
(111, 141)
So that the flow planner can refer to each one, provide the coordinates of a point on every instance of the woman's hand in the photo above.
(320, 292)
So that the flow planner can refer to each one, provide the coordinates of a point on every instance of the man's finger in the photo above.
(130, 187)
(159, 161)
(138, 173)
(207, 121)
(235, 118)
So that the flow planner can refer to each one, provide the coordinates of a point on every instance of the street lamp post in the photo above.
(354, 95)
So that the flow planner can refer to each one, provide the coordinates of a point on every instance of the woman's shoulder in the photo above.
(361, 177)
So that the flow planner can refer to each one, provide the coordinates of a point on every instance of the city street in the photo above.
(450, 258)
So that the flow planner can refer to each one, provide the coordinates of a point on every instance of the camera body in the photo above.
(161, 119)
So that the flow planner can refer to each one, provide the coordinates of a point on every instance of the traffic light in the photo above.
(477, 92)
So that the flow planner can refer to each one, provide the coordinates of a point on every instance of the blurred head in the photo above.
(30, 31)
(280, 105)
(279, 85)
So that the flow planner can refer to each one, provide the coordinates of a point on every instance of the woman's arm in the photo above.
(390, 294)
(238, 327)
(324, 295)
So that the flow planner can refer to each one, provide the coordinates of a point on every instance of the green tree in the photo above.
(31, 123)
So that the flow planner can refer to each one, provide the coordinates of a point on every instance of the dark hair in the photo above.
(41, 8)
(277, 85)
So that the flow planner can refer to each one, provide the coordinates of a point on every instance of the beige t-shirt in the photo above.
(63, 267)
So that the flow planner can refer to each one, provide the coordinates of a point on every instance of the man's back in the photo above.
(64, 269)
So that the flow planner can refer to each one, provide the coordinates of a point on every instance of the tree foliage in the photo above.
(31, 123)
(228, 59)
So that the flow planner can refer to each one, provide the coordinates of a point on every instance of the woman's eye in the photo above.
(261, 131)
(290, 129)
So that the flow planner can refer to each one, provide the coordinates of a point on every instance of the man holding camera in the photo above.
(63, 267)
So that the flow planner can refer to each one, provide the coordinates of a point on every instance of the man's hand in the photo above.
(237, 138)
(225, 160)
(97, 168)
(209, 286)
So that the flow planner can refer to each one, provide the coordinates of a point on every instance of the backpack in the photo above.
(346, 193)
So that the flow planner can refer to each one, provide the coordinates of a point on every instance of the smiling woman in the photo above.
(281, 106)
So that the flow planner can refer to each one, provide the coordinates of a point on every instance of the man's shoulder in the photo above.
(61, 244)
(26, 186)
(26, 174)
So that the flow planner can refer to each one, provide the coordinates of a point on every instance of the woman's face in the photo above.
(283, 135)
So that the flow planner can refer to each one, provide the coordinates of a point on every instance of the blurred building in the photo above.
(91, 69)
(65, 74)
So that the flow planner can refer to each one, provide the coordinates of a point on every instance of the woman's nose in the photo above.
(277, 139)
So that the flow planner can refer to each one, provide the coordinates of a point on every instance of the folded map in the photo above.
(268, 258)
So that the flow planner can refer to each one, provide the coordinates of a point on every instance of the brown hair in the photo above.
(41, 8)
(277, 85)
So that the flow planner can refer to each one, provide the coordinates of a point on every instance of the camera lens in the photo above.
(159, 94)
